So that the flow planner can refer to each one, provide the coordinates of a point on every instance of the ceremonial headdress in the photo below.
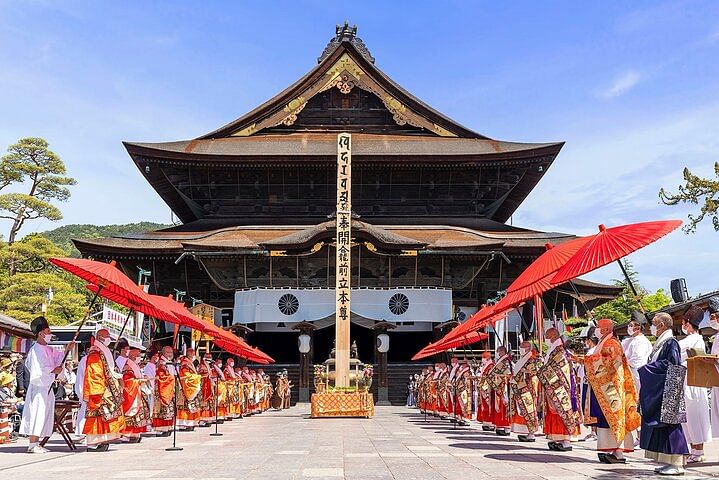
(694, 315)
(38, 325)
(713, 306)
(122, 343)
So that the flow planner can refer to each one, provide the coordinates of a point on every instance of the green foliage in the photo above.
(694, 191)
(30, 164)
(63, 236)
(620, 309)
(22, 294)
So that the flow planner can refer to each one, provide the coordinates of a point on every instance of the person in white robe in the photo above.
(150, 372)
(43, 363)
(637, 349)
(713, 309)
(82, 411)
(697, 428)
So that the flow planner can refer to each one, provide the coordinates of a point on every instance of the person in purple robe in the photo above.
(661, 398)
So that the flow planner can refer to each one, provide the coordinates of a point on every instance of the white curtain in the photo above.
(263, 305)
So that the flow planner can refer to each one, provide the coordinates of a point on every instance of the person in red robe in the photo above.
(218, 375)
(207, 405)
(102, 391)
(135, 404)
(486, 397)
(190, 383)
(499, 381)
(234, 409)
(561, 409)
(163, 404)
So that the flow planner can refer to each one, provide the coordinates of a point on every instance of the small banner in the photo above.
(344, 227)
(206, 313)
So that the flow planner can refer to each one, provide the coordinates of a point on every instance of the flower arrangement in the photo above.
(319, 374)
(367, 374)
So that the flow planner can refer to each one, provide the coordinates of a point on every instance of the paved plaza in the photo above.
(396, 444)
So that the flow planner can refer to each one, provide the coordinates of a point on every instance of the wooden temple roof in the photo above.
(245, 239)
(299, 126)
(278, 147)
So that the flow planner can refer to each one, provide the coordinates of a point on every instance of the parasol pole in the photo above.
(79, 327)
(122, 330)
(631, 286)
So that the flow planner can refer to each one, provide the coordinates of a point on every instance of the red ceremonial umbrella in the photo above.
(612, 244)
(105, 275)
(439, 346)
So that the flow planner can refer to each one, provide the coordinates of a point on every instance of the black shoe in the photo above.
(611, 458)
(165, 434)
(135, 440)
(487, 429)
(525, 438)
(602, 457)
(103, 447)
(502, 433)
(552, 445)
(562, 448)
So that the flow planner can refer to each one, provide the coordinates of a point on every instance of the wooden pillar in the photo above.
(343, 264)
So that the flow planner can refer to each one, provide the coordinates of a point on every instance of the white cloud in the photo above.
(621, 84)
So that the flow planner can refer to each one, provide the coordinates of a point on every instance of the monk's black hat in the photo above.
(38, 325)
(713, 306)
(694, 315)
(122, 343)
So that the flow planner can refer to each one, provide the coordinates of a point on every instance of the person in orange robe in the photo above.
(207, 406)
(164, 405)
(234, 410)
(102, 391)
(220, 389)
(135, 404)
(248, 391)
(188, 395)
(485, 394)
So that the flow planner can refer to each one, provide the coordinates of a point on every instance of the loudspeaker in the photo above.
(678, 288)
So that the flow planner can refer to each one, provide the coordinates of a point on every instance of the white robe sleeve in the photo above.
(40, 362)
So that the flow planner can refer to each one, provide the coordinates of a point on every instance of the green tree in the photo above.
(620, 309)
(28, 255)
(696, 190)
(30, 163)
(23, 297)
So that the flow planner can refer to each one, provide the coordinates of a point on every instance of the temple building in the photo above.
(255, 201)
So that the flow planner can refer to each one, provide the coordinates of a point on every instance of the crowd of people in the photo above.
(124, 394)
(622, 394)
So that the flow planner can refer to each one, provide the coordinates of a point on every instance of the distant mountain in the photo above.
(62, 236)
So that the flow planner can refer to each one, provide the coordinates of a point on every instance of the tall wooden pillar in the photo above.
(343, 262)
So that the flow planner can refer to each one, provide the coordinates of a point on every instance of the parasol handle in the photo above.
(631, 285)
(79, 327)
(122, 330)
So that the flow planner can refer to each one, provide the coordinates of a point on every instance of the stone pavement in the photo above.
(396, 444)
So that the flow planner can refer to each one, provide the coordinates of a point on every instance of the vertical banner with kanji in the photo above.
(343, 259)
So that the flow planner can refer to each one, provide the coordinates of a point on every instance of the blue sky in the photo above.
(633, 88)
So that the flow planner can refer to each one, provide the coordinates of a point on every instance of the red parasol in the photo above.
(612, 244)
(105, 275)
(439, 346)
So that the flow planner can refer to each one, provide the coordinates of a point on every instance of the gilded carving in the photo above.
(247, 131)
(292, 109)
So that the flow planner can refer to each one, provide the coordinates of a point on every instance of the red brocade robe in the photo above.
(163, 406)
(498, 379)
(188, 403)
(561, 417)
(104, 419)
(463, 393)
(135, 405)
(486, 398)
(207, 402)
(524, 386)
